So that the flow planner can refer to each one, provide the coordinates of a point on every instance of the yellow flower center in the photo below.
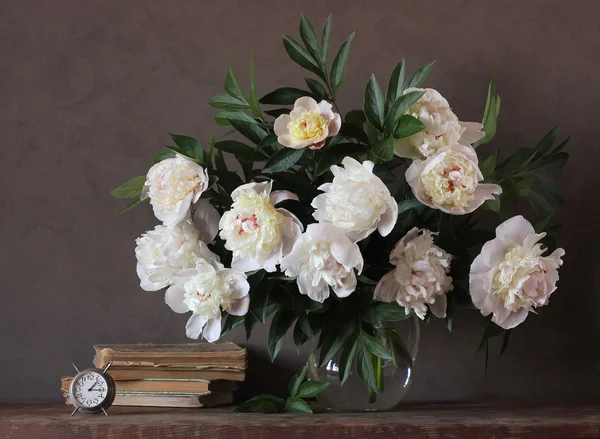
(451, 182)
(310, 125)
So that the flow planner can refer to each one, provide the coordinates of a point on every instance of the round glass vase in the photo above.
(395, 376)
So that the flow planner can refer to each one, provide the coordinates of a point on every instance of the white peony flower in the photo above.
(161, 254)
(324, 257)
(420, 278)
(257, 233)
(449, 181)
(308, 124)
(357, 201)
(206, 290)
(442, 127)
(173, 185)
(206, 220)
(511, 276)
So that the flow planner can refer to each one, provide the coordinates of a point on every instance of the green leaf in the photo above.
(317, 88)
(252, 95)
(298, 335)
(365, 280)
(545, 145)
(550, 186)
(449, 315)
(284, 96)
(262, 404)
(538, 201)
(220, 160)
(130, 189)
(490, 114)
(494, 204)
(131, 206)
(309, 37)
(310, 389)
(231, 322)
(409, 204)
(338, 68)
(375, 346)
(280, 324)
(283, 159)
(163, 156)
(356, 117)
(335, 154)
(232, 85)
(223, 118)
(418, 78)
(554, 162)
(277, 112)
(374, 103)
(235, 147)
(296, 380)
(226, 102)
(300, 56)
(395, 84)
(332, 341)
(505, 341)
(347, 357)
(353, 131)
(488, 166)
(190, 147)
(296, 405)
(364, 367)
(249, 130)
(408, 126)
(491, 330)
(384, 149)
(399, 107)
(386, 312)
(325, 41)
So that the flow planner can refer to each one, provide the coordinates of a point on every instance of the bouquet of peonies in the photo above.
(341, 223)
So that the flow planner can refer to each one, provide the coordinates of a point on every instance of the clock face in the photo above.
(89, 389)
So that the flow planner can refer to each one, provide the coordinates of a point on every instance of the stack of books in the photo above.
(186, 375)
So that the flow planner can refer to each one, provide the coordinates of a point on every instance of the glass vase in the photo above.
(394, 377)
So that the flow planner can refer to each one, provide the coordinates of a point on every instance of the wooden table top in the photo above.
(408, 422)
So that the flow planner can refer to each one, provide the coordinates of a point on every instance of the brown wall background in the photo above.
(89, 89)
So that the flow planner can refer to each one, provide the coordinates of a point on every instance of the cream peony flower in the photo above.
(511, 276)
(257, 233)
(420, 278)
(442, 127)
(324, 257)
(206, 290)
(449, 181)
(173, 185)
(357, 201)
(161, 254)
(308, 124)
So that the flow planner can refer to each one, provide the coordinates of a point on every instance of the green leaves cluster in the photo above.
(299, 390)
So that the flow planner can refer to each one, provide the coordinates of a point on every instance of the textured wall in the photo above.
(89, 89)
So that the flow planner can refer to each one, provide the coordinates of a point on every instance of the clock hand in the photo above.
(90, 389)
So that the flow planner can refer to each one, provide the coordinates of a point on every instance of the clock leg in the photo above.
(75, 411)
(105, 414)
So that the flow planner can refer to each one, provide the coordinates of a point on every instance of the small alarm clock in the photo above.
(92, 391)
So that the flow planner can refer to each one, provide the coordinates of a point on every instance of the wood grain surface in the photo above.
(409, 422)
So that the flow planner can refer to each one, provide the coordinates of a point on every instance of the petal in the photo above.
(244, 264)
(438, 308)
(306, 102)
(238, 281)
(145, 190)
(473, 132)
(264, 187)
(324, 109)
(279, 196)
(404, 149)
(145, 283)
(212, 331)
(335, 124)
(280, 125)
(194, 326)
(346, 253)
(288, 141)
(176, 216)
(318, 292)
(386, 289)
(467, 151)
(174, 298)
(239, 307)
(388, 219)
(206, 220)
(515, 229)
(348, 286)
(369, 165)
(512, 320)
(493, 251)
